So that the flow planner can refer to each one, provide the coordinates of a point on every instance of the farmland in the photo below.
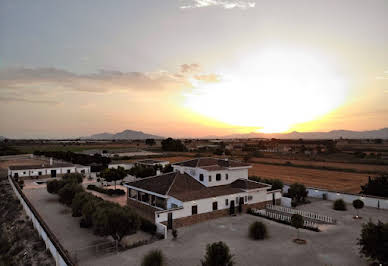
(350, 167)
(332, 180)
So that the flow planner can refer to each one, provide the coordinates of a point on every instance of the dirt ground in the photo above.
(20, 244)
(5, 164)
(349, 166)
(332, 180)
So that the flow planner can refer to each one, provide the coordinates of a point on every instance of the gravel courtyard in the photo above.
(335, 245)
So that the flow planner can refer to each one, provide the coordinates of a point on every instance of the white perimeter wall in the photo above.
(49, 245)
(44, 171)
(348, 198)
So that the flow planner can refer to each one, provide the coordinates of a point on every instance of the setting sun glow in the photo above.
(271, 91)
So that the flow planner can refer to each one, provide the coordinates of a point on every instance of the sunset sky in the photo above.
(192, 68)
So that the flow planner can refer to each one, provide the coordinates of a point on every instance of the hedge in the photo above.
(109, 192)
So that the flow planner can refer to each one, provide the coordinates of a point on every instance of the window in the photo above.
(194, 209)
(218, 177)
(237, 200)
(226, 176)
(210, 178)
(68, 171)
(226, 202)
(24, 173)
(250, 198)
(215, 206)
(246, 198)
(201, 177)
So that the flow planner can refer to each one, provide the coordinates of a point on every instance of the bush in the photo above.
(79, 200)
(73, 177)
(297, 192)
(147, 226)
(109, 192)
(258, 230)
(153, 258)
(358, 204)
(339, 205)
(217, 254)
(174, 233)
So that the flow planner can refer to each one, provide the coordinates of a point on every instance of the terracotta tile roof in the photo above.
(42, 166)
(247, 184)
(213, 168)
(204, 162)
(158, 184)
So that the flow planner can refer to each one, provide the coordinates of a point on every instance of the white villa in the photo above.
(198, 190)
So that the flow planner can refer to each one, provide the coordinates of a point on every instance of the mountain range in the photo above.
(126, 134)
(334, 134)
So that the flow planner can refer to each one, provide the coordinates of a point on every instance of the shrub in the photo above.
(73, 177)
(374, 241)
(79, 200)
(377, 186)
(174, 233)
(153, 258)
(217, 254)
(109, 192)
(297, 221)
(258, 230)
(147, 226)
(358, 204)
(339, 205)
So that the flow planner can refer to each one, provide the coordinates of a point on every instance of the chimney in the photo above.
(51, 161)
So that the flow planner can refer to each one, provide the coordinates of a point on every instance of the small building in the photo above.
(198, 190)
(50, 169)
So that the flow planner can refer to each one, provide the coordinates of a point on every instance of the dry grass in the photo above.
(332, 180)
(350, 166)
(5, 164)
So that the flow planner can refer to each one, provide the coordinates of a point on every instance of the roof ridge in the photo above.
(172, 183)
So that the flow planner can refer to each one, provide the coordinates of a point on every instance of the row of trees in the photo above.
(171, 144)
(377, 186)
(105, 217)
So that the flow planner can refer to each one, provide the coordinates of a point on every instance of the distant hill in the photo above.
(334, 134)
(126, 134)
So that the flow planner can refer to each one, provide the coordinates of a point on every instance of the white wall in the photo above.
(172, 200)
(233, 175)
(44, 171)
(206, 205)
(59, 261)
(369, 201)
(126, 166)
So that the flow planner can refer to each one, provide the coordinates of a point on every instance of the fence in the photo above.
(283, 218)
(369, 201)
(306, 214)
(59, 254)
(94, 250)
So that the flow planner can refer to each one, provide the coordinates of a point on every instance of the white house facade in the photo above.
(198, 190)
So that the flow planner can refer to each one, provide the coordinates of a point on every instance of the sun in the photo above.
(273, 91)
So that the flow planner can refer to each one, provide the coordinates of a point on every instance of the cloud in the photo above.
(189, 68)
(45, 85)
(226, 4)
(210, 78)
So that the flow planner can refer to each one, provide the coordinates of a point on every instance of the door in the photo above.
(53, 173)
(273, 199)
(240, 204)
(232, 208)
(169, 221)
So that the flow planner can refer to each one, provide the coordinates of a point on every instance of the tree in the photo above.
(54, 186)
(339, 205)
(142, 171)
(73, 177)
(374, 241)
(113, 174)
(153, 258)
(167, 169)
(67, 193)
(112, 219)
(171, 144)
(258, 230)
(358, 204)
(150, 142)
(79, 200)
(377, 186)
(217, 254)
(298, 192)
(297, 221)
